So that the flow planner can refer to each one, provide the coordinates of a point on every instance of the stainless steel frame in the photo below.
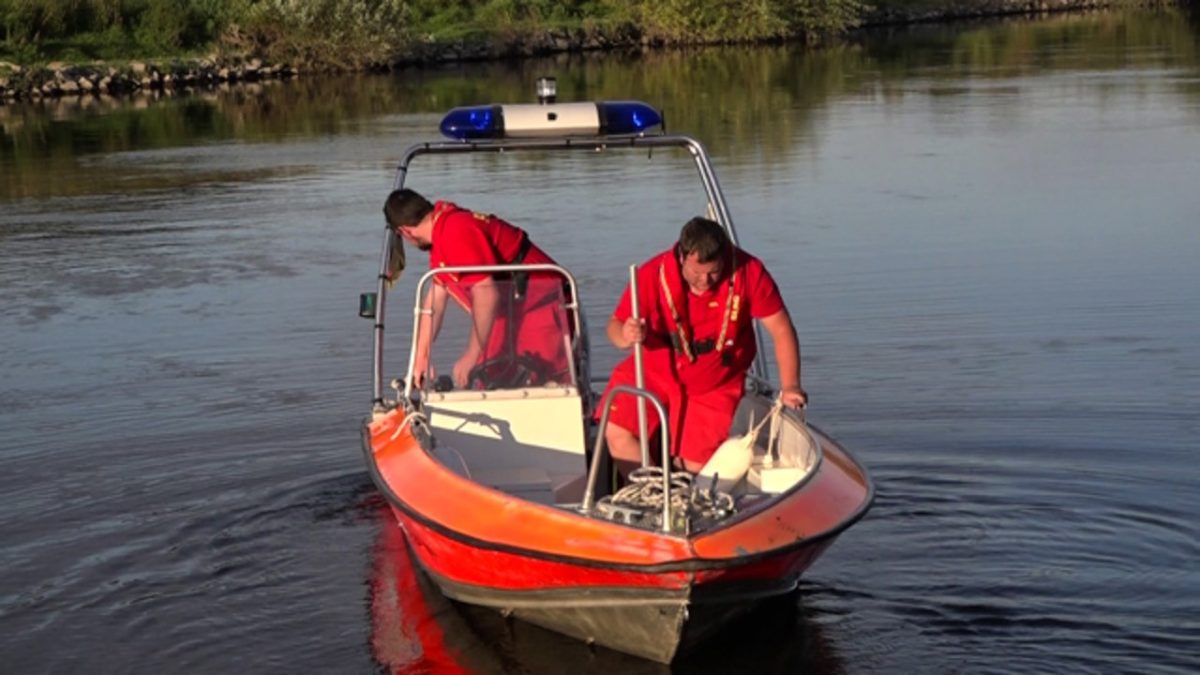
(572, 305)
(708, 177)
(594, 471)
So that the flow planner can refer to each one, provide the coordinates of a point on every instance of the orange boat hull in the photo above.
(648, 593)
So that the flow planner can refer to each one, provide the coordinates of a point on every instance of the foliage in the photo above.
(354, 33)
(34, 28)
(348, 33)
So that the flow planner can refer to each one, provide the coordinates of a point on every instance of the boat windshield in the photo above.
(507, 330)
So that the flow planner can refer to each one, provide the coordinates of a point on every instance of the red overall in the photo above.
(699, 384)
(462, 238)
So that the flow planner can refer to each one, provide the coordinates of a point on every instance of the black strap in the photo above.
(521, 279)
(698, 346)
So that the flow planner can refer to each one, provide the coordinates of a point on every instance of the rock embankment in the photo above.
(948, 10)
(59, 79)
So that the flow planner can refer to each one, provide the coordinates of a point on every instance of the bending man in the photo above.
(517, 328)
(696, 301)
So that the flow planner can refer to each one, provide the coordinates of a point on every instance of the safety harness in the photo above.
(681, 338)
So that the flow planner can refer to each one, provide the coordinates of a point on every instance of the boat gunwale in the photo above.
(694, 564)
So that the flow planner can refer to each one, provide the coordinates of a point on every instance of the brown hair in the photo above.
(405, 208)
(705, 238)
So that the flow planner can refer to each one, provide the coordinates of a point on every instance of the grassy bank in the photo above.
(357, 33)
(179, 35)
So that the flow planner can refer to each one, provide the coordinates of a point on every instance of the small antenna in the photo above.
(547, 90)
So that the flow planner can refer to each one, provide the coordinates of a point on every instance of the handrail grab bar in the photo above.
(589, 494)
(572, 304)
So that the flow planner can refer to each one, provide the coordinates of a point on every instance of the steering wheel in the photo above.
(506, 372)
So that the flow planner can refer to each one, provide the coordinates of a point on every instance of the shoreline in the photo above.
(146, 77)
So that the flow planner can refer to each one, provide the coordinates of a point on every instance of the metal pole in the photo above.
(639, 372)
(589, 495)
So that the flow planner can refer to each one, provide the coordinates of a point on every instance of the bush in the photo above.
(344, 33)
(354, 33)
(157, 25)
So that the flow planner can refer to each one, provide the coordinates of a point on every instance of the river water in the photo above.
(987, 235)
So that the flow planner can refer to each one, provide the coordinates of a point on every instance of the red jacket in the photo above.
(702, 341)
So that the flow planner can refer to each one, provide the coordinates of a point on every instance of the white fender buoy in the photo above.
(733, 458)
(729, 463)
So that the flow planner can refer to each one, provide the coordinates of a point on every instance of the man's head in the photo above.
(703, 251)
(406, 211)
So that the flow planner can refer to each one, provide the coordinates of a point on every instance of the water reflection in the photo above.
(725, 96)
(414, 629)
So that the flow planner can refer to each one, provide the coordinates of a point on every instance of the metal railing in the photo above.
(708, 177)
(589, 495)
(571, 304)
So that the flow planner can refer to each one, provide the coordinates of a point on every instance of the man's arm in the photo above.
(430, 325)
(485, 298)
(787, 357)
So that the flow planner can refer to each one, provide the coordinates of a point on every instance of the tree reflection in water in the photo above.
(757, 103)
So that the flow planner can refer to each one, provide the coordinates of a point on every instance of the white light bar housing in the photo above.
(551, 119)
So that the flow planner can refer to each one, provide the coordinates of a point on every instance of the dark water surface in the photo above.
(989, 237)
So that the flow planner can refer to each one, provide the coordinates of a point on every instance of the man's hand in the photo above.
(793, 397)
(633, 331)
(627, 333)
(462, 368)
(422, 372)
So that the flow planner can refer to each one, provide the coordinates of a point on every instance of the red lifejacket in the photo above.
(506, 244)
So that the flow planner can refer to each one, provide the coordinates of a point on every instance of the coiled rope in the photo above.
(644, 492)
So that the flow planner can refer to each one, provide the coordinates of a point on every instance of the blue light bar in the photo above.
(484, 121)
(550, 120)
(627, 117)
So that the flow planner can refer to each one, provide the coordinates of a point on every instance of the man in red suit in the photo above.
(518, 320)
(697, 301)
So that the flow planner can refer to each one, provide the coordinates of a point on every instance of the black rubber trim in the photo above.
(714, 593)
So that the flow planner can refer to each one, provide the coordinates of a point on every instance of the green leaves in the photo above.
(357, 33)
(339, 33)
(77, 29)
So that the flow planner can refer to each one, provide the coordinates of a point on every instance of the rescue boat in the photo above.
(503, 487)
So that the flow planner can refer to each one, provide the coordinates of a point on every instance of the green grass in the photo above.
(354, 33)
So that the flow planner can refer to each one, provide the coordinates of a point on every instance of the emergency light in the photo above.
(602, 118)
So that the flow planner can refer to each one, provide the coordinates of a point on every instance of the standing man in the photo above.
(696, 301)
(518, 327)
